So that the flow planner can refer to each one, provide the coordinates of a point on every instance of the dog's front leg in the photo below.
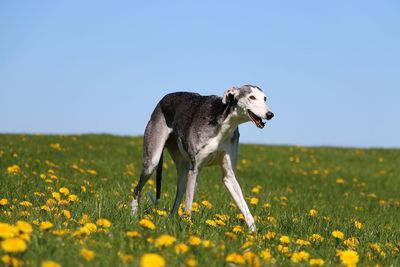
(236, 192)
(191, 186)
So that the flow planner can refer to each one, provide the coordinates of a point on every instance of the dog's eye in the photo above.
(252, 97)
(265, 99)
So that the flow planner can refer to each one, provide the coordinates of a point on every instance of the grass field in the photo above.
(313, 206)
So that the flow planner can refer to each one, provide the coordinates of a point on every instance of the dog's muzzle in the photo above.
(269, 115)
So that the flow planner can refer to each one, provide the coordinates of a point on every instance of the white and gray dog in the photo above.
(200, 131)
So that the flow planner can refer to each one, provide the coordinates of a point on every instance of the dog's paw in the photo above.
(134, 207)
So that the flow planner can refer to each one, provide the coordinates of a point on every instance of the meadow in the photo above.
(64, 201)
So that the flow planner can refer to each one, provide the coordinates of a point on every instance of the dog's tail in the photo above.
(159, 177)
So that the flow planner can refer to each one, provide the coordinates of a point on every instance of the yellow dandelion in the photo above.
(349, 258)
(152, 260)
(194, 240)
(64, 191)
(92, 172)
(161, 213)
(235, 258)
(219, 222)
(50, 264)
(67, 214)
(211, 223)
(284, 239)
(46, 225)
(164, 241)
(13, 245)
(181, 248)
(206, 204)
(316, 262)
(26, 204)
(89, 228)
(133, 234)
(237, 229)
(8, 260)
(14, 169)
(299, 256)
(338, 234)
(73, 198)
(145, 223)
(312, 212)
(340, 181)
(56, 195)
(302, 242)
(251, 258)
(254, 201)
(125, 258)
(190, 262)
(7, 230)
(87, 254)
(316, 238)
(24, 227)
(3, 201)
(358, 224)
(208, 244)
(266, 255)
(269, 235)
(267, 205)
(103, 223)
(352, 242)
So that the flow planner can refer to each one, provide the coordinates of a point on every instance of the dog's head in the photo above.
(250, 103)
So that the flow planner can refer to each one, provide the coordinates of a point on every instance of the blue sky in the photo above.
(331, 69)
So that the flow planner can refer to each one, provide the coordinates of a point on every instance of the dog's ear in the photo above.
(230, 95)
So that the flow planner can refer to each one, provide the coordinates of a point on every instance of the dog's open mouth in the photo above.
(257, 120)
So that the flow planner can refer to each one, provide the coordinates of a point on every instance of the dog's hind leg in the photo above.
(155, 136)
(182, 168)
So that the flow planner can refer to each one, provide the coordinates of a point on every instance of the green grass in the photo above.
(293, 180)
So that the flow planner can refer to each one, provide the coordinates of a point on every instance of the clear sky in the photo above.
(331, 69)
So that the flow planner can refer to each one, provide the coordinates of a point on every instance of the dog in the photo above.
(200, 131)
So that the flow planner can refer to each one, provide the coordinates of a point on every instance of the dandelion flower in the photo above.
(13, 245)
(316, 262)
(3, 201)
(46, 225)
(358, 224)
(133, 234)
(284, 239)
(211, 223)
(24, 227)
(254, 201)
(299, 256)
(7, 230)
(349, 258)
(266, 255)
(152, 260)
(87, 254)
(181, 248)
(50, 264)
(73, 198)
(104, 223)
(312, 212)
(164, 240)
(206, 204)
(14, 169)
(194, 240)
(235, 258)
(64, 191)
(338, 234)
(145, 223)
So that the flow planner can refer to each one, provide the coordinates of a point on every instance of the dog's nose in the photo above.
(269, 115)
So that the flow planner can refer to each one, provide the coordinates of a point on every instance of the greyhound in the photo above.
(200, 131)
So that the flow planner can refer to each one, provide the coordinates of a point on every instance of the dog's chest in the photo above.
(212, 151)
